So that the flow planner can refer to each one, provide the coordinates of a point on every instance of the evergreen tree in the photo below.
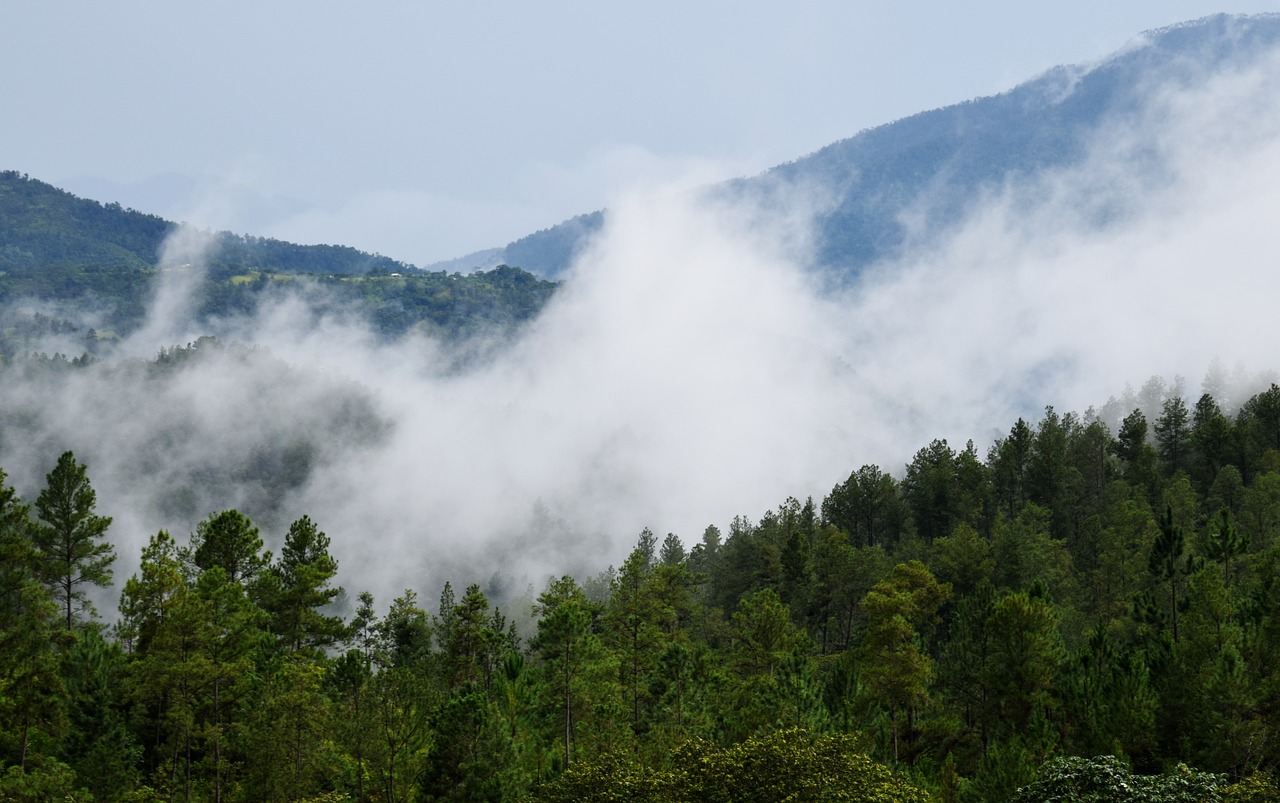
(299, 589)
(1225, 542)
(1026, 650)
(894, 664)
(1010, 459)
(1173, 435)
(867, 506)
(1210, 440)
(70, 538)
(672, 553)
(566, 644)
(930, 490)
(228, 539)
(631, 628)
(1167, 566)
(33, 697)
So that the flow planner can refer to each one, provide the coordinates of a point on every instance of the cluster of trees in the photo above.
(450, 306)
(1075, 616)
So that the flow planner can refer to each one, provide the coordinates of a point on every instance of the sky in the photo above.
(425, 131)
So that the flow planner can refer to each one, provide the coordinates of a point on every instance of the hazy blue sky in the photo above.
(427, 130)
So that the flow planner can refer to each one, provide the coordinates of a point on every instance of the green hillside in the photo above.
(89, 260)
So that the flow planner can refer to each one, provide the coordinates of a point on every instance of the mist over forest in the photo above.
(698, 363)
(692, 367)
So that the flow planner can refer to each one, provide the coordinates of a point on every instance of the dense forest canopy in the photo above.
(958, 629)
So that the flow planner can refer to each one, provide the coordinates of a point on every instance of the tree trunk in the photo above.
(568, 710)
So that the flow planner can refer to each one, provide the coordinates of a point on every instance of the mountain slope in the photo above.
(97, 265)
(934, 164)
(42, 225)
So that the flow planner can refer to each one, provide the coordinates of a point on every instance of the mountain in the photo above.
(42, 225)
(934, 164)
(76, 255)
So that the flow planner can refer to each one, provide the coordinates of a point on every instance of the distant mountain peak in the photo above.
(938, 161)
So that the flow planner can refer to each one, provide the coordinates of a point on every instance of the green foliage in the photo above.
(791, 765)
(771, 665)
(1257, 788)
(33, 695)
(56, 247)
(69, 541)
(1082, 780)
(228, 540)
(297, 587)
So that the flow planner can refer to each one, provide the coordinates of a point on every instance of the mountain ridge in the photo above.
(936, 161)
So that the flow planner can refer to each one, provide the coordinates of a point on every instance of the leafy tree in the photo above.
(1106, 779)
(291, 755)
(964, 673)
(1024, 551)
(1260, 510)
(1139, 458)
(704, 557)
(69, 539)
(100, 747)
(350, 682)
(963, 559)
(1049, 470)
(791, 765)
(1109, 699)
(843, 576)
(762, 636)
(470, 642)
(401, 697)
(473, 756)
(166, 625)
(230, 635)
(1227, 490)
(1262, 412)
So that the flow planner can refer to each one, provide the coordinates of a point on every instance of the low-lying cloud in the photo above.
(692, 368)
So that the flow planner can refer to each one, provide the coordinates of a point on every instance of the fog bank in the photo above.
(692, 368)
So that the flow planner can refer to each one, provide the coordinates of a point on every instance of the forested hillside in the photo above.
(90, 271)
(957, 630)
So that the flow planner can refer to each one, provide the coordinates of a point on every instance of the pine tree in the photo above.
(298, 590)
(33, 697)
(1166, 565)
(69, 540)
